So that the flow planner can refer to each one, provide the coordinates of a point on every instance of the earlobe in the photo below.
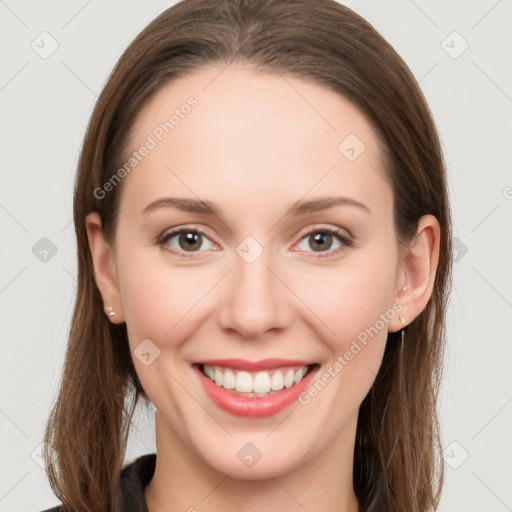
(104, 268)
(418, 262)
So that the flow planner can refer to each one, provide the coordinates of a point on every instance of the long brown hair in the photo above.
(397, 462)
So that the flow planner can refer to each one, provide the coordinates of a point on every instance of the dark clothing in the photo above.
(134, 477)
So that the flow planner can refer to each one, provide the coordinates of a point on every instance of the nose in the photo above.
(254, 300)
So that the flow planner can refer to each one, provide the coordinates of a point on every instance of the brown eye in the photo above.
(190, 240)
(320, 241)
(326, 241)
(186, 241)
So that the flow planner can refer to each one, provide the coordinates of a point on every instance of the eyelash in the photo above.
(346, 241)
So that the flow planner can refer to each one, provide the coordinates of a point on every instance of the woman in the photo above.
(264, 255)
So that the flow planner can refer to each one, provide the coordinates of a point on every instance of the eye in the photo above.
(182, 241)
(326, 240)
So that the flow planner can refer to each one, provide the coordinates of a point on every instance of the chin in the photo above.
(253, 457)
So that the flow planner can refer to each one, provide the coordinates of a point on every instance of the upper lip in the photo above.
(255, 366)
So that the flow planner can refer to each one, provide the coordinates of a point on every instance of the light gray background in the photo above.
(46, 104)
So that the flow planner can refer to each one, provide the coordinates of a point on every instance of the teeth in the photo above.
(228, 381)
(299, 374)
(261, 382)
(243, 382)
(210, 372)
(219, 377)
(257, 382)
(277, 381)
(289, 378)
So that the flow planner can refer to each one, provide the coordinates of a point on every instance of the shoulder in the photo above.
(139, 472)
(134, 478)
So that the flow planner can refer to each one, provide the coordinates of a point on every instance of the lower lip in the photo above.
(253, 406)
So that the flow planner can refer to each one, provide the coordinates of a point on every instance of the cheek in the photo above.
(355, 306)
(353, 297)
(161, 304)
(157, 298)
(354, 303)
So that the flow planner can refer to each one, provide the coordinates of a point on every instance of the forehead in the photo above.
(224, 131)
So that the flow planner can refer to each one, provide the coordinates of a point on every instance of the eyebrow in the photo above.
(209, 208)
(323, 203)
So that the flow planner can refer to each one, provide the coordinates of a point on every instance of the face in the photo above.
(280, 258)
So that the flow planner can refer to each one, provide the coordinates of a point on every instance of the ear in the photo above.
(418, 266)
(103, 259)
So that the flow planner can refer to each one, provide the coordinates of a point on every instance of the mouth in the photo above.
(254, 389)
(262, 383)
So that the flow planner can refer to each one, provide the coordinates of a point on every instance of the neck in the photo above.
(184, 482)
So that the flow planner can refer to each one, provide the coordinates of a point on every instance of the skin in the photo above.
(255, 144)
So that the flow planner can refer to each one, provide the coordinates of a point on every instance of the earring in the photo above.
(402, 331)
(109, 311)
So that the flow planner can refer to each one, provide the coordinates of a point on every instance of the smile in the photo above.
(255, 383)
(254, 390)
